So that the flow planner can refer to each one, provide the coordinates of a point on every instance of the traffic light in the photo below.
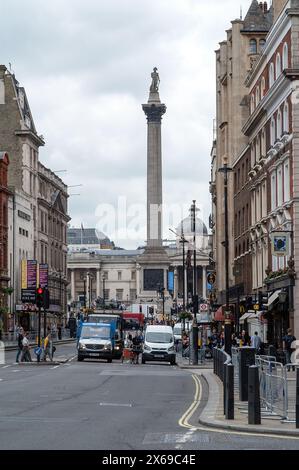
(40, 297)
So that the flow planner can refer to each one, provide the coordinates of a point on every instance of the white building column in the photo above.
(87, 289)
(204, 282)
(138, 271)
(73, 292)
(98, 282)
(175, 287)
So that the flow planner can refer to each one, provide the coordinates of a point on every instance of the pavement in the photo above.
(212, 415)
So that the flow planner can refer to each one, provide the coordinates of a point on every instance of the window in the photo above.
(252, 155)
(252, 104)
(262, 44)
(286, 117)
(279, 125)
(264, 200)
(253, 218)
(286, 181)
(279, 186)
(258, 204)
(252, 46)
(263, 143)
(263, 87)
(119, 294)
(105, 274)
(119, 276)
(257, 96)
(133, 276)
(272, 131)
(271, 75)
(133, 294)
(278, 66)
(285, 56)
(273, 191)
(257, 149)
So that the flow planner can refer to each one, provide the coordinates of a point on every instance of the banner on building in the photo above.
(42, 279)
(171, 281)
(280, 243)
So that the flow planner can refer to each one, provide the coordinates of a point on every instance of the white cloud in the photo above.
(86, 69)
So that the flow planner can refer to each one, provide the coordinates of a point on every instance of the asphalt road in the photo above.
(100, 406)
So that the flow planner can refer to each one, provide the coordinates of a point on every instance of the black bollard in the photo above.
(247, 358)
(195, 344)
(224, 388)
(229, 392)
(297, 399)
(254, 403)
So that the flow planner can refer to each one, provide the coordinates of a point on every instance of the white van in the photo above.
(177, 329)
(159, 344)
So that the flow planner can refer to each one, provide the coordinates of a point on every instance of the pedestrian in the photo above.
(20, 343)
(137, 346)
(59, 331)
(288, 339)
(26, 356)
(221, 340)
(234, 340)
(244, 339)
(256, 342)
(48, 348)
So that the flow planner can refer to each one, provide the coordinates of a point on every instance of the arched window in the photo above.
(271, 74)
(286, 117)
(252, 103)
(278, 66)
(279, 125)
(252, 46)
(257, 96)
(263, 87)
(263, 143)
(272, 131)
(262, 44)
(285, 56)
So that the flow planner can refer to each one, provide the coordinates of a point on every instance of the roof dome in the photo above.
(186, 225)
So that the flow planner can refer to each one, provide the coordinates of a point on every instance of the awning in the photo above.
(255, 315)
(244, 317)
(273, 297)
(219, 316)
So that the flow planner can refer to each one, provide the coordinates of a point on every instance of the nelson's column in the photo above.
(154, 262)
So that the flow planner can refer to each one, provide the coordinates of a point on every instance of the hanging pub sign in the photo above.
(280, 242)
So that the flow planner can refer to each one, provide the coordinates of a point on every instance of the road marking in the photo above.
(128, 405)
(55, 367)
(184, 420)
(5, 367)
(1, 380)
(16, 370)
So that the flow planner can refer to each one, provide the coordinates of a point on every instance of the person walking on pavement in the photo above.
(26, 356)
(20, 344)
(137, 346)
(48, 348)
(287, 346)
(256, 342)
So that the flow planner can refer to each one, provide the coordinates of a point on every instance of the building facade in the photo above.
(4, 278)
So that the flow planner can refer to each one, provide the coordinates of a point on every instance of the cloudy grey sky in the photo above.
(86, 64)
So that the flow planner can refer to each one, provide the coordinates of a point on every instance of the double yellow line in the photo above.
(184, 421)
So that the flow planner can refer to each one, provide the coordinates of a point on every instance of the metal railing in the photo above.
(220, 358)
(277, 388)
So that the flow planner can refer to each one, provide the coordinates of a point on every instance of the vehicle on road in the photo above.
(97, 340)
(117, 319)
(133, 321)
(159, 344)
(178, 329)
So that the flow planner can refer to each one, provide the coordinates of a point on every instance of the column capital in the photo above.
(154, 112)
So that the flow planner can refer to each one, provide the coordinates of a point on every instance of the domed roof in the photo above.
(186, 225)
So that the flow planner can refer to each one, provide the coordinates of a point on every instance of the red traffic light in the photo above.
(40, 290)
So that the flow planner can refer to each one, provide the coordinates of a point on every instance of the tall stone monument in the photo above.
(154, 263)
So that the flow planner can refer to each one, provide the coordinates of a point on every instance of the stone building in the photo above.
(4, 195)
(35, 194)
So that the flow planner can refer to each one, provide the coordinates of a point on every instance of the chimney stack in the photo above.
(265, 7)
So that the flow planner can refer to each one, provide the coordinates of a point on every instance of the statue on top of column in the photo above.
(155, 81)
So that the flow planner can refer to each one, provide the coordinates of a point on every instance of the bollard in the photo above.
(224, 388)
(247, 358)
(229, 392)
(254, 403)
(297, 399)
(195, 344)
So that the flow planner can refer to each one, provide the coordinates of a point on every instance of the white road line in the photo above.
(16, 370)
(5, 367)
(55, 367)
(129, 405)
(1, 380)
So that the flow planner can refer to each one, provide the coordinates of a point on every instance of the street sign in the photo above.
(28, 296)
(203, 307)
(38, 351)
(211, 278)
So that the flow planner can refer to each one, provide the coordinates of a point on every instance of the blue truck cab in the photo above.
(96, 340)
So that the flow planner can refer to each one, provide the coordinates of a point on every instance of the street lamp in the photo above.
(90, 290)
(193, 211)
(161, 294)
(227, 321)
(183, 241)
(103, 279)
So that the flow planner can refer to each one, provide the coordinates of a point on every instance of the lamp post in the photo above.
(103, 279)
(227, 321)
(90, 291)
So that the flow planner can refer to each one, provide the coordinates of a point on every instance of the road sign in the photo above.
(28, 295)
(211, 278)
(38, 351)
(203, 307)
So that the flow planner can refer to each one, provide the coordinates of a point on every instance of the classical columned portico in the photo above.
(98, 282)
